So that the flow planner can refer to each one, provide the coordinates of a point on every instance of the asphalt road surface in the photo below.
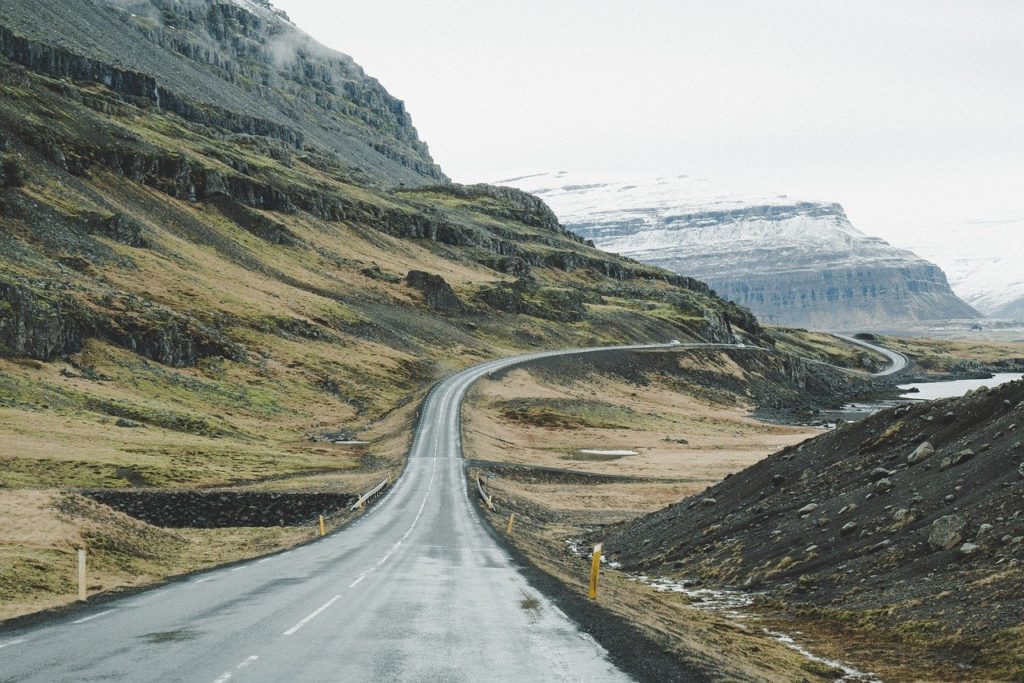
(897, 361)
(414, 590)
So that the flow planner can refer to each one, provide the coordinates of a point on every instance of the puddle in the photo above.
(529, 603)
(170, 636)
(599, 455)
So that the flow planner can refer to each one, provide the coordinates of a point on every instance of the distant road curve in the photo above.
(898, 362)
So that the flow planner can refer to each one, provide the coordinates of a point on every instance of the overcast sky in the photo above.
(906, 113)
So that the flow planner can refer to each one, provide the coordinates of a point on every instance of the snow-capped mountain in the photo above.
(984, 261)
(791, 262)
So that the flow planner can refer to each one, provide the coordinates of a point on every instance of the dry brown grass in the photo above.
(721, 439)
(44, 529)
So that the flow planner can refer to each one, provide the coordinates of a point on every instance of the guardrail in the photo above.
(372, 493)
(483, 494)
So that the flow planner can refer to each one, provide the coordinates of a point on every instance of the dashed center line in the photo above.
(226, 676)
(249, 660)
(9, 643)
(419, 513)
(312, 616)
(90, 618)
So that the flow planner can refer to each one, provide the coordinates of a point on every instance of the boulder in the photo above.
(883, 485)
(437, 293)
(922, 452)
(955, 459)
(807, 509)
(946, 532)
(879, 473)
(968, 549)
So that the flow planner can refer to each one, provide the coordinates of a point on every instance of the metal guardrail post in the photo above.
(483, 494)
(361, 502)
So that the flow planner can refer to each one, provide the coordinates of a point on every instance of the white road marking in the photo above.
(12, 642)
(266, 559)
(249, 660)
(90, 618)
(312, 616)
(419, 513)
(235, 569)
(204, 579)
(223, 677)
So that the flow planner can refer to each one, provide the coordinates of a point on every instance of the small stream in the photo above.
(920, 391)
(732, 604)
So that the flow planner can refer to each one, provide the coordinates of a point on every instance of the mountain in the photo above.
(791, 262)
(982, 259)
(220, 241)
(239, 66)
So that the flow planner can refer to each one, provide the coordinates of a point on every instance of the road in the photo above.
(898, 362)
(416, 589)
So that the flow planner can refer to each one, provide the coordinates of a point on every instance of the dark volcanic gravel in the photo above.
(846, 521)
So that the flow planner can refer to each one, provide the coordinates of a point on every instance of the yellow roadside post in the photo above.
(511, 519)
(322, 529)
(81, 574)
(595, 569)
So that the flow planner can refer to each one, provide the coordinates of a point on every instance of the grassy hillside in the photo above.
(208, 282)
(181, 305)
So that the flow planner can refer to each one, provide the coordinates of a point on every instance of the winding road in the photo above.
(416, 589)
(897, 361)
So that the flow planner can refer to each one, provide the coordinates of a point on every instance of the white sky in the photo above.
(905, 112)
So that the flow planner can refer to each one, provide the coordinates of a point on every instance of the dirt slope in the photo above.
(857, 533)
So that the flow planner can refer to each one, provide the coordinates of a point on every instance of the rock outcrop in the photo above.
(239, 67)
(215, 509)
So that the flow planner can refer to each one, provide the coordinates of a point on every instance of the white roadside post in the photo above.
(81, 574)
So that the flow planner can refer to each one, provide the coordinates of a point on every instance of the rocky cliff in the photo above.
(794, 263)
(238, 66)
(982, 259)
